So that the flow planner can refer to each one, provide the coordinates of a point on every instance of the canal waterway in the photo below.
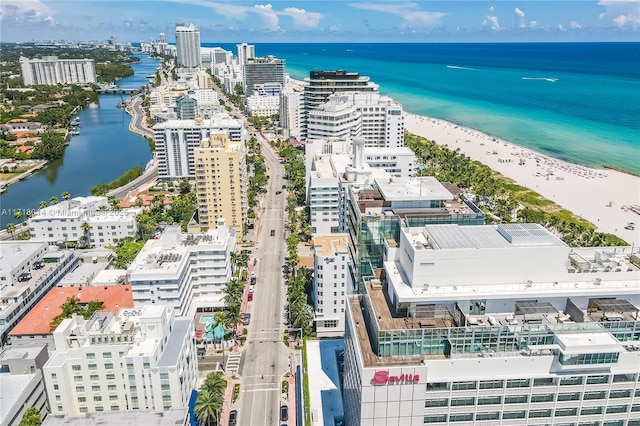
(103, 151)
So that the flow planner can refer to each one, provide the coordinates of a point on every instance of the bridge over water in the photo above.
(118, 91)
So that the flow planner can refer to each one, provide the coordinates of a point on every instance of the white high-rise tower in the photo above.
(188, 46)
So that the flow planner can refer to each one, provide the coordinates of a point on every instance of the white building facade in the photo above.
(331, 282)
(188, 46)
(187, 272)
(263, 105)
(64, 222)
(495, 325)
(51, 71)
(141, 359)
(176, 139)
(291, 111)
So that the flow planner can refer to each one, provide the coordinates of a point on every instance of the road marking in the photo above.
(261, 390)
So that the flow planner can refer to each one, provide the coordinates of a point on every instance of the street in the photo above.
(266, 358)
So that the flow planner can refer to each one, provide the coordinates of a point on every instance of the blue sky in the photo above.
(324, 21)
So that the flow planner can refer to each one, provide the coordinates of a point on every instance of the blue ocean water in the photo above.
(579, 102)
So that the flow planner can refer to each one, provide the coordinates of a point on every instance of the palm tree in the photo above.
(53, 200)
(18, 215)
(207, 408)
(42, 204)
(85, 227)
(66, 195)
(10, 228)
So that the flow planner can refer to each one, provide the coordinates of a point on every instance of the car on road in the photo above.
(251, 288)
(233, 418)
(250, 297)
(253, 274)
(247, 319)
(272, 233)
(284, 413)
(278, 192)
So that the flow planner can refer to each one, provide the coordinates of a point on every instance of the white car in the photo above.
(250, 289)
(253, 274)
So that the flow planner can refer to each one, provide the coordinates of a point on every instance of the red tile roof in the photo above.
(113, 297)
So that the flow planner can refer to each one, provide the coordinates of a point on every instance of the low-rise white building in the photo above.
(29, 270)
(22, 383)
(186, 271)
(65, 221)
(331, 282)
(263, 105)
(141, 359)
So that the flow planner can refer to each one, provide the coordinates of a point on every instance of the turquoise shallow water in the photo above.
(578, 102)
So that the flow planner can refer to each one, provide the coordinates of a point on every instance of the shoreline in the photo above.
(605, 197)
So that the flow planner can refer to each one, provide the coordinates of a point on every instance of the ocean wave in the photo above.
(455, 67)
(549, 79)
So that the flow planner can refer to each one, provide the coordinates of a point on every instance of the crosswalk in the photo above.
(233, 363)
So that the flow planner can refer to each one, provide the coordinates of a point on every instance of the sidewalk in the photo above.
(228, 396)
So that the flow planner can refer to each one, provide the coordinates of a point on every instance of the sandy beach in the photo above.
(606, 198)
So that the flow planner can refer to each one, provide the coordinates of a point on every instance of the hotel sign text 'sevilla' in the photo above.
(382, 377)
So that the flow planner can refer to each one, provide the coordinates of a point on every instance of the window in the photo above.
(164, 387)
(54, 376)
(572, 396)
(464, 385)
(146, 365)
(84, 409)
(82, 399)
(516, 399)
(75, 367)
(79, 388)
(94, 377)
(111, 387)
(93, 366)
(106, 354)
(591, 410)
(543, 397)
(589, 359)
(56, 387)
(595, 395)
(457, 402)
(91, 355)
(77, 378)
(492, 384)
(539, 413)
(108, 366)
(618, 378)
(544, 381)
(444, 402)
(495, 415)
(463, 417)
(437, 386)
(57, 397)
(518, 383)
(97, 398)
(570, 381)
(611, 409)
(489, 400)
(563, 412)
(113, 397)
(626, 393)
(95, 388)
(438, 418)
(98, 408)
(115, 407)
(514, 415)
(597, 380)
(111, 376)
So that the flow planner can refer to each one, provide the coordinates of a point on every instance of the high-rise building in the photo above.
(290, 111)
(186, 108)
(139, 359)
(245, 51)
(176, 139)
(262, 70)
(193, 269)
(321, 84)
(221, 182)
(378, 119)
(331, 282)
(51, 71)
(188, 46)
(494, 325)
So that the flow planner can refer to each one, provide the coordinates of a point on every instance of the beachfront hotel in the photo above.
(139, 359)
(176, 140)
(188, 46)
(321, 84)
(378, 119)
(494, 325)
(51, 71)
(258, 71)
(184, 271)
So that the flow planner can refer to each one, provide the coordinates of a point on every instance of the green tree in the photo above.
(10, 228)
(42, 204)
(18, 216)
(73, 306)
(31, 417)
(66, 195)
(185, 187)
(53, 200)
(210, 399)
(126, 251)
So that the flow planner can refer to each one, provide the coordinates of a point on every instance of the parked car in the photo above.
(38, 264)
(284, 413)
(273, 233)
(24, 277)
(247, 319)
(250, 297)
(251, 289)
(233, 418)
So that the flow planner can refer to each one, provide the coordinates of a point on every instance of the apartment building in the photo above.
(22, 383)
(221, 182)
(51, 71)
(495, 325)
(176, 140)
(331, 283)
(139, 359)
(186, 108)
(29, 270)
(259, 71)
(245, 51)
(263, 105)
(188, 46)
(377, 119)
(321, 84)
(291, 111)
(184, 271)
(68, 221)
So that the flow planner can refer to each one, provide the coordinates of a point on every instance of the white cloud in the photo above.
(25, 11)
(533, 24)
(491, 20)
(270, 18)
(575, 25)
(408, 11)
(520, 15)
(560, 27)
(302, 18)
(623, 13)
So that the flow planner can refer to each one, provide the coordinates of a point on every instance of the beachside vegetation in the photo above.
(501, 198)
(101, 189)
